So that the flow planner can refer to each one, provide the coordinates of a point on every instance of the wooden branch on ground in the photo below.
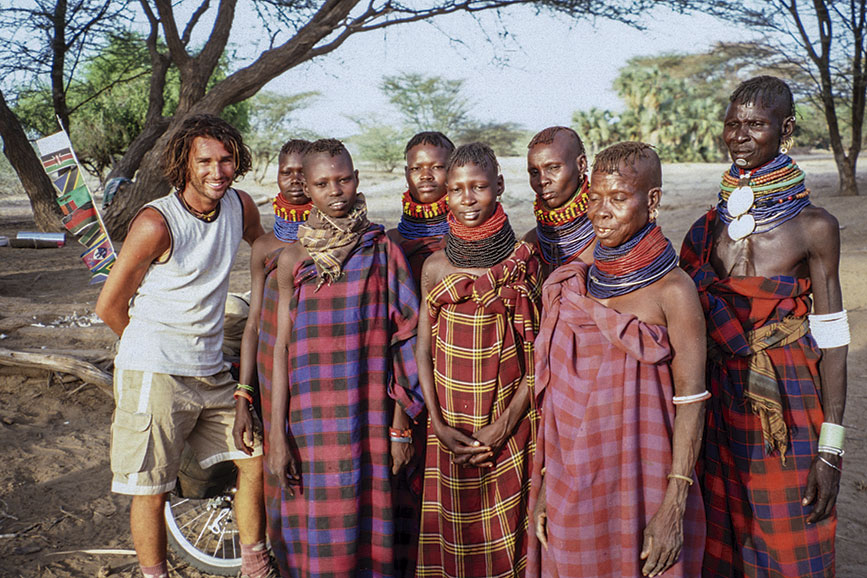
(86, 372)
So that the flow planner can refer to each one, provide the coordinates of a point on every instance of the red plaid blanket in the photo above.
(756, 524)
(474, 520)
(604, 389)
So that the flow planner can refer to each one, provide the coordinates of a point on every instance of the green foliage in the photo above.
(271, 126)
(504, 137)
(428, 102)
(677, 102)
(109, 102)
(9, 183)
(380, 143)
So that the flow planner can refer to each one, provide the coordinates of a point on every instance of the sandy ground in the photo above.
(54, 483)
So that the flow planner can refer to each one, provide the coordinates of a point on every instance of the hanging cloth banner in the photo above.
(80, 216)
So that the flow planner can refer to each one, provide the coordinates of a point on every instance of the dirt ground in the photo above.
(54, 484)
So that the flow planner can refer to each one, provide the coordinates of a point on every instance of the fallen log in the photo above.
(86, 372)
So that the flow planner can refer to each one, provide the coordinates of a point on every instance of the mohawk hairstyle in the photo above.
(294, 146)
(547, 135)
(434, 138)
(769, 91)
(474, 153)
(177, 154)
(628, 153)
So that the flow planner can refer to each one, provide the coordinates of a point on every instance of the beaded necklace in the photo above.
(761, 200)
(208, 217)
(420, 220)
(637, 263)
(288, 217)
(564, 232)
(480, 247)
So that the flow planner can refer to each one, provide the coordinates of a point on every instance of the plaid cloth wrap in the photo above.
(265, 367)
(350, 358)
(417, 251)
(604, 389)
(474, 520)
(408, 486)
(756, 524)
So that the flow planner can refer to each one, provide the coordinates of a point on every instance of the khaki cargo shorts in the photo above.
(155, 414)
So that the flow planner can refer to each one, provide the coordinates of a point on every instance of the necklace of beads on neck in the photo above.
(480, 247)
(641, 261)
(761, 200)
(419, 220)
(564, 232)
(569, 211)
(208, 217)
(288, 217)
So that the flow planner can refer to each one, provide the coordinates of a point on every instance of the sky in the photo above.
(544, 69)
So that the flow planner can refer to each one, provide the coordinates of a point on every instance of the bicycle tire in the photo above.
(203, 532)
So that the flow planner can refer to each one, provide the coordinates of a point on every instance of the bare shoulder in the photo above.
(435, 268)
(246, 199)
(149, 232)
(678, 293)
(817, 221)
(263, 246)
(290, 257)
(531, 237)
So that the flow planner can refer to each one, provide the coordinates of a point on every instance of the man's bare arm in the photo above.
(252, 220)
(147, 240)
(823, 239)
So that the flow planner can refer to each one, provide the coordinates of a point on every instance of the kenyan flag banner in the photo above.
(80, 216)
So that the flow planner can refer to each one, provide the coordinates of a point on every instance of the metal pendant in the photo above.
(741, 227)
(740, 201)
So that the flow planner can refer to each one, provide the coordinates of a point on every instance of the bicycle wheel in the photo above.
(203, 532)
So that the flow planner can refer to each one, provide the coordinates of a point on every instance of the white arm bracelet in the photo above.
(830, 330)
(684, 399)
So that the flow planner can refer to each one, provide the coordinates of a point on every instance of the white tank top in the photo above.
(176, 316)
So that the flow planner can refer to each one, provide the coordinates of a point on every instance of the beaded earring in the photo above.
(654, 213)
(787, 145)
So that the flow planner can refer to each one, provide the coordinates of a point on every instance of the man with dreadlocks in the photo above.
(774, 440)
(291, 208)
(165, 298)
(557, 163)
(620, 385)
(479, 317)
(344, 383)
(419, 233)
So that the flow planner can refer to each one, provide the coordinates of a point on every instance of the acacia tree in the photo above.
(42, 39)
(824, 39)
(299, 31)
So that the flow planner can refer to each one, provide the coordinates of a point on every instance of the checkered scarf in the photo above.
(762, 388)
(330, 241)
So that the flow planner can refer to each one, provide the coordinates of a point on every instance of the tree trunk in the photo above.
(22, 157)
(847, 175)
(150, 183)
(132, 158)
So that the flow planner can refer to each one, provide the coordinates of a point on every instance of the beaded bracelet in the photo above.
(242, 393)
(400, 433)
(400, 440)
(686, 479)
